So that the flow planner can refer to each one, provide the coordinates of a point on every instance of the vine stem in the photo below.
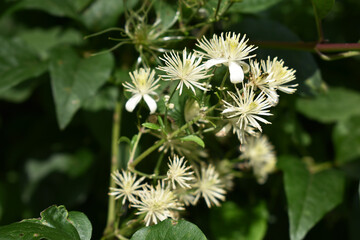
(114, 164)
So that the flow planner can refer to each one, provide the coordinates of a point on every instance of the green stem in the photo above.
(167, 105)
(132, 154)
(318, 23)
(224, 79)
(217, 10)
(132, 165)
(110, 227)
(158, 164)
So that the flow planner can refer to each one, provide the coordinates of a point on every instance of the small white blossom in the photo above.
(230, 51)
(246, 108)
(185, 196)
(272, 76)
(143, 85)
(209, 186)
(186, 69)
(128, 188)
(280, 75)
(241, 133)
(157, 203)
(179, 173)
(261, 156)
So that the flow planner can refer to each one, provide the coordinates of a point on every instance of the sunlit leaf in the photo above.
(55, 224)
(75, 80)
(193, 138)
(170, 230)
(309, 196)
(151, 126)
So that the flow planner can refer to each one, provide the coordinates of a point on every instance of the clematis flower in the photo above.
(187, 69)
(228, 50)
(143, 85)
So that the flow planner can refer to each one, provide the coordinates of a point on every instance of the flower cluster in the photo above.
(182, 186)
(244, 105)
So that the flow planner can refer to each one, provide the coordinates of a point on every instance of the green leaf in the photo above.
(53, 225)
(81, 223)
(231, 221)
(104, 100)
(151, 126)
(323, 7)
(17, 63)
(103, 14)
(73, 165)
(61, 8)
(309, 196)
(167, 14)
(253, 6)
(170, 230)
(335, 105)
(346, 138)
(41, 41)
(74, 80)
(193, 138)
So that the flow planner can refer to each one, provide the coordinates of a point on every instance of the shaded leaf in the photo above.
(253, 6)
(170, 230)
(105, 99)
(61, 8)
(346, 138)
(53, 225)
(41, 41)
(309, 196)
(323, 7)
(230, 222)
(74, 165)
(103, 14)
(74, 80)
(335, 105)
(17, 63)
(167, 14)
(193, 138)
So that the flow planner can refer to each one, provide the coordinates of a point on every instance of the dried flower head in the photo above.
(157, 203)
(179, 173)
(186, 69)
(261, 156)
(128, 187)
(209, 186)
(230, 51)
(143, 85)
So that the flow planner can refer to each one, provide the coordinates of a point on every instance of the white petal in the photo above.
(245, 66)
(151, 103)
(213, 62)
(132, 102)
(236, 73)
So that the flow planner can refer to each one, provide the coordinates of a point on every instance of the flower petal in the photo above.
(132, 102)
(236, 73)
(151, 103)
(213, 62)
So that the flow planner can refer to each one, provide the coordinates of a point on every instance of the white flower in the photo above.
(144, 85)
(188, 70)
(261, 156)
(185, 196)
(280, 75)
(157, 203)
(272, 76)
(230, 51)
(128, 186)
(209, 186)
(241, 133)
(246, 109)
(179, 172)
